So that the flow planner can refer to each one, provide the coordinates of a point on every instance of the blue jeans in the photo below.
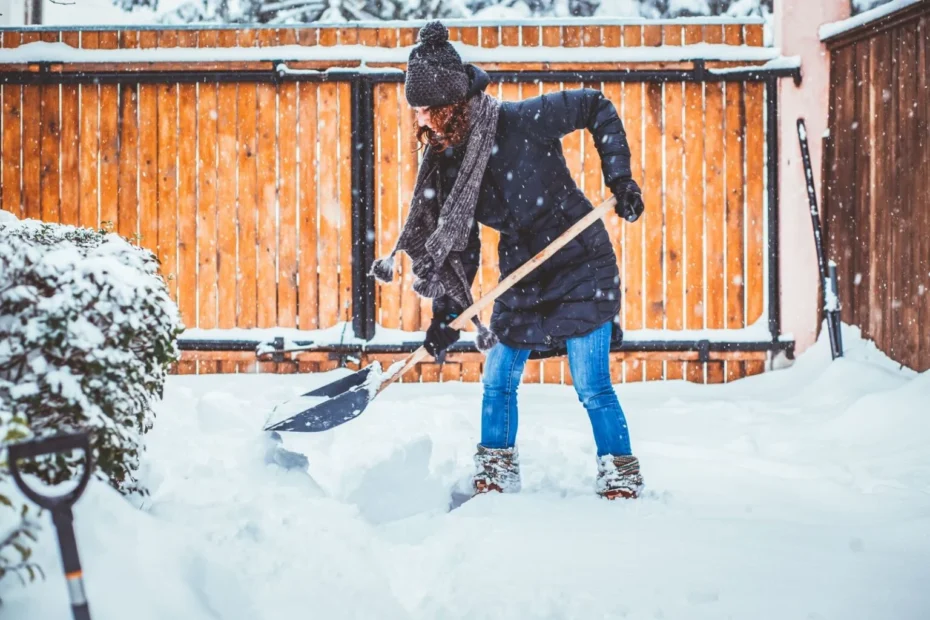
(589, 361)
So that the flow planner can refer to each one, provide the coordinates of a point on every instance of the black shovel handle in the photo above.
(51, 445)
(60, 507)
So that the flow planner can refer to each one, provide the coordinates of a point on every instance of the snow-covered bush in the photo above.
(87, 335)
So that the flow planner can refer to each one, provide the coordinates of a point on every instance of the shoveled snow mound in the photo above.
(803, 493)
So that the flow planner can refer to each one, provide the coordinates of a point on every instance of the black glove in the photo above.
(440, 336)
(629, 199)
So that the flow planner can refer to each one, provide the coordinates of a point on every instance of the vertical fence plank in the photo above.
(694, 201)
(715, 372)
(287, 230)
(881, 180)
(552, 370)
(148, 154)
(308, 303)
(414, 311)
(89, 143)
(735, 120)
(571, 36)
(69, 142)
(532, 372)
(591, 36)
(227, 157)
(510, 36)
(551, 36)
(923, 189)
(839, 208)
(754, 156)
(168, 173)
(674, 199)
(388, 214)
(329, 208)
(50, 148)
(863, 196)
(530, 36)
(32, 135)
(714, 195)
(735, 221)
(653, 219)
(469, 35)
(351, 35)
(490, 36)
(207, 219)
(247, 203)
(907, 257)
(108, 160)
(11, 171)
(128, 164)
(187, 192)
(615, 225)
(755, 201)
(735, 369)
(634, 234)
(344, 94)
(266, 167)
(571, 146)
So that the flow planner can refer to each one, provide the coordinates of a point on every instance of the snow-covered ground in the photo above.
(802, 494)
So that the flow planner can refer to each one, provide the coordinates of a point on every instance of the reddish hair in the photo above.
(453, 121)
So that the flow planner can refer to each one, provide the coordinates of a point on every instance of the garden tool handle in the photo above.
(51, 445)
(473, 310)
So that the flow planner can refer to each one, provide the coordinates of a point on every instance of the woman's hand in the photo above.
(440, 336)
(629, 199)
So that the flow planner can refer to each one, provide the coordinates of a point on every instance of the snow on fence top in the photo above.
(835, 29)
(64, 53)
(418, 23)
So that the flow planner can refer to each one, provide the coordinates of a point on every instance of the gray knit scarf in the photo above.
(435, 236)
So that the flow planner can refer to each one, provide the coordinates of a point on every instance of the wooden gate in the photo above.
(877, 181)
(265, 171)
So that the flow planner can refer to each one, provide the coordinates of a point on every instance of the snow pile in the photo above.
(87, 332)
(801, 493)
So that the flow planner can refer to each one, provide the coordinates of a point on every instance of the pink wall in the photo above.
(796, 25)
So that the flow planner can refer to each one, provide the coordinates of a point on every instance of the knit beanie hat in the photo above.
(435, 73)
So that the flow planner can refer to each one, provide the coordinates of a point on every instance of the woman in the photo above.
(501, 164)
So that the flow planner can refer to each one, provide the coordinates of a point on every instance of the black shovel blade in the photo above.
(344, 384)
(327, 414)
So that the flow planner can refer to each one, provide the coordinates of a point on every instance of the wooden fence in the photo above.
(877, 181)
(253, 185)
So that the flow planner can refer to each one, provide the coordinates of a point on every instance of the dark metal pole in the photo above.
(363, 208)
(33, 12)
(771, 135)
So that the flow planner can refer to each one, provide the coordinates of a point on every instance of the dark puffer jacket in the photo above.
(529, 196)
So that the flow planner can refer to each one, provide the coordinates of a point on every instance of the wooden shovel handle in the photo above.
(462, 320)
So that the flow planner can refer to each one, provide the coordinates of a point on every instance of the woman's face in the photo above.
(423, 117)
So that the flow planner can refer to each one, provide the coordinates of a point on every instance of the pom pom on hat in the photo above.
(434, 33)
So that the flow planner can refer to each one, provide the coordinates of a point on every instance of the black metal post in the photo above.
(363, 208)
(771, 137)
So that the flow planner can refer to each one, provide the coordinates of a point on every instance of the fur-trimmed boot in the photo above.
(497, 469)
(618, 476)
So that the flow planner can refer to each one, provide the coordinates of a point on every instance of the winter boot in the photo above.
(497, 469)
(618, 476)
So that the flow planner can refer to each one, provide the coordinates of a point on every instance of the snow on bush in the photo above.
(87, 335)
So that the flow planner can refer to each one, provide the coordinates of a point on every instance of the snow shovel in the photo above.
(60, 506)
(346, 398)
